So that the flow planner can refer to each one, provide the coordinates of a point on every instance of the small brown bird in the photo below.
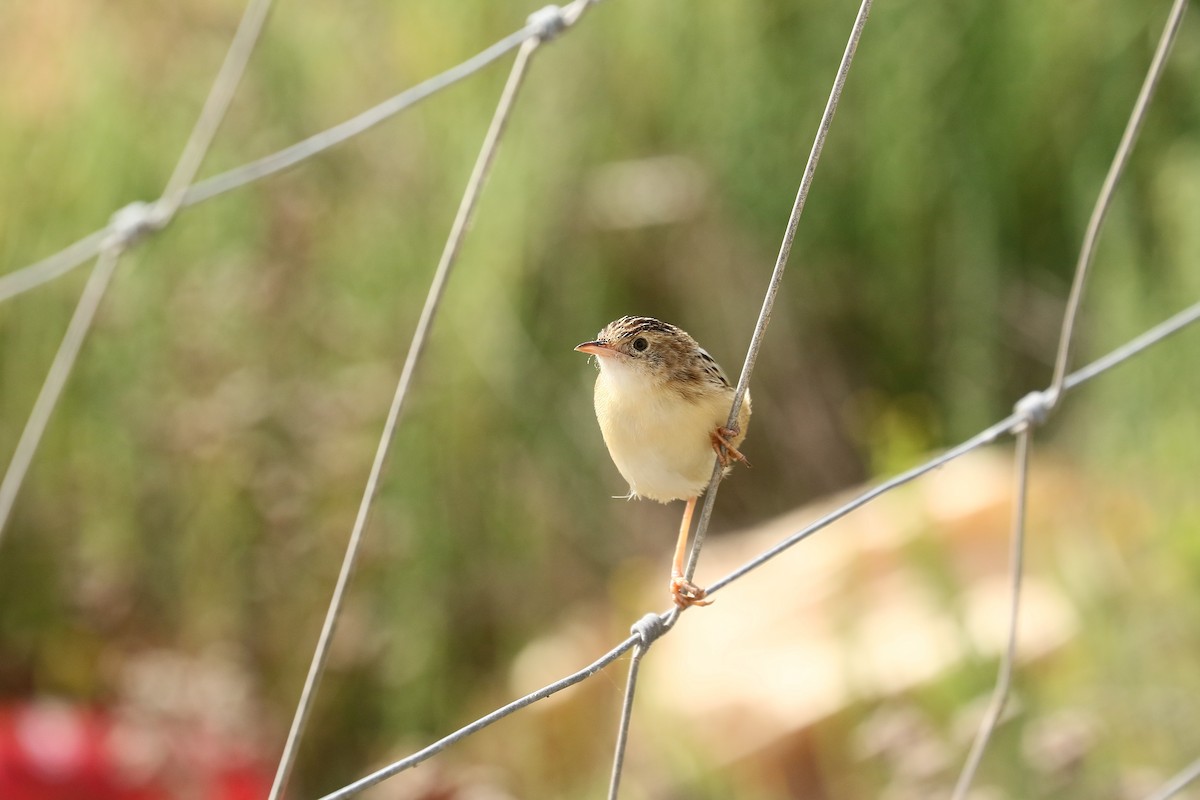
(662, 403)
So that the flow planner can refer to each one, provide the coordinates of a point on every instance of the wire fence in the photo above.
(127, 226)
(134, 222)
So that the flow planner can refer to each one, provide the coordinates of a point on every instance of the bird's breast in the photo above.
(658, 439)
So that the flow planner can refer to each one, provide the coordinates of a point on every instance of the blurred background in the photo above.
(164, 576)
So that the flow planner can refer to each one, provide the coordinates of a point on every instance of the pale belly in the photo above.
(661, 442)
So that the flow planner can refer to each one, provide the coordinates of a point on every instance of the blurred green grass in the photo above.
(200, 476)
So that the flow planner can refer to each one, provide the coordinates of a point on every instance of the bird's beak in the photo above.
(596, 348)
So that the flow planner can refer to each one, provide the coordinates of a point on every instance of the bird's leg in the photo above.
(722, 443)
(684, 592)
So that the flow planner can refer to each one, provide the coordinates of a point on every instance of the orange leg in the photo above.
(684, 592)
(723, 446)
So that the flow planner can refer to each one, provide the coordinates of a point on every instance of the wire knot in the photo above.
(548, 21)
(648, 629)
(1034, 408)
(129, 224)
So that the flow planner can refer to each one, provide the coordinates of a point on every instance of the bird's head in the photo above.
(649, 349)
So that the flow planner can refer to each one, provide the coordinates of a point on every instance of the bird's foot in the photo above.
(685, 593)
(722, 444)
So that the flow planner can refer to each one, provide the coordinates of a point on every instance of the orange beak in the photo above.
(596, 348)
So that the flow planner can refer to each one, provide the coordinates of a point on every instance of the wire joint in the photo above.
(548, 21)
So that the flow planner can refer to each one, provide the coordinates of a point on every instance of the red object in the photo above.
(50, 750)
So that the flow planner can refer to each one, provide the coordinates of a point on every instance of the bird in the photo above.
(663, 403)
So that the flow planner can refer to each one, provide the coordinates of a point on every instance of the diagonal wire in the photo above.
(535, 29)
(1179, 782)
(614, 783)
(432, 300)
(215, 108)
(785, 250)
(1016, 571)
(423, 755)
(51, 267)
(1162, 330)
(1104, 199)
(126, 226)
(307, 148)
(60, 263)
(56, 379)
(986, 436)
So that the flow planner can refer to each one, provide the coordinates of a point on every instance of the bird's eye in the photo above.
(640, 344)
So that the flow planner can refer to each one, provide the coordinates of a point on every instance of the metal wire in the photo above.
(1104, 199)
(199, 140)
(215, 108)
(1167, 327)
(990, 434)
(1178, 783)
(51, 267)
(125, 227)
(450, 252)
(422, 755)
(126, 230)
(785, 251)
(303, 150)
(54, 266)
(614, 783)
(648, 630)
(56, 379)
(1008, 660)
(980, 439)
